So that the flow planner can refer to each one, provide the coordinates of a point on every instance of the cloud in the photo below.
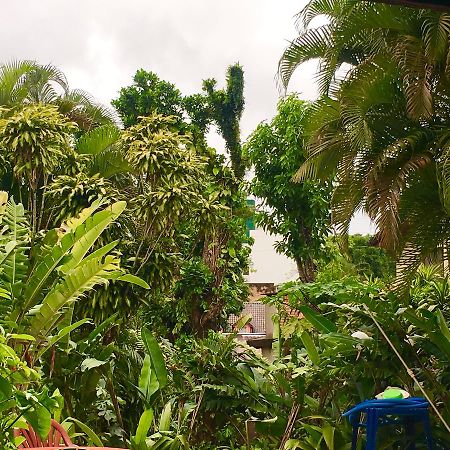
(99, 44)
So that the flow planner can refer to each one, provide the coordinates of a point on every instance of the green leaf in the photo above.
(443, 325)
(6, 389)
(166, 417)
(328, 435)
(134, 280)
(321, 323)
(81, 279)
(93, 437)
(97, 140)
(310, 347)
(21, 337)
(156, 356)
(144, 425)
(148, 382)
(90, 231)
(87, 231)
(14, 228)
(39, 418)
(91, 363)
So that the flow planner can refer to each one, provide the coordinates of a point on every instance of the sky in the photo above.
(100, 44)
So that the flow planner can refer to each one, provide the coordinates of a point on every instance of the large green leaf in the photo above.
(148, 381)
(75, 283)
(320, 322)
(144, 425)
(88, 229)
(39, 418)
(156, 356)
(166, 417)
(328, 435)
(87, 233)
(98, 139)
(310, 347)
(14, 246)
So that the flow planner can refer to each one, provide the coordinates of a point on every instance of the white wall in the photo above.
(268, 266)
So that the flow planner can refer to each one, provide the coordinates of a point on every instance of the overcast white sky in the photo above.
(100, 44)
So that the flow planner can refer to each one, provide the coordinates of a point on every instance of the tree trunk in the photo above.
(307, 270)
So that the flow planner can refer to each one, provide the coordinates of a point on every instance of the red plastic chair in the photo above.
(57, 437)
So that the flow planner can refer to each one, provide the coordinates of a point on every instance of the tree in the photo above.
(381, 130)
(227, 106)
(370, 260)
(35, 142)
(24, 82)
(298, 212)
(44, 127)
(150, 95)
(357, 256)
(204, 279)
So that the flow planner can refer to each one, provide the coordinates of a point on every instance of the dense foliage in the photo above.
(123, 251)
(380, 130)
(357, 256)
(181, 229)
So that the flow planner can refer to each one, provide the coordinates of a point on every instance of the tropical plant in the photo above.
(150, 95)
(333, 327)
(24, 82)
(298, 212)
(35, 142)
(47, 280)
(21, 403)
(380, 131)
(152, 380)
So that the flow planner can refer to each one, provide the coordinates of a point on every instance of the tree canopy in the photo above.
(298, 212)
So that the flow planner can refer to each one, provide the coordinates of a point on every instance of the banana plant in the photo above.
(47, 279)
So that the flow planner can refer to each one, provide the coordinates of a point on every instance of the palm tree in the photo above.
(381, 130)
(42, 122)
(24, 82)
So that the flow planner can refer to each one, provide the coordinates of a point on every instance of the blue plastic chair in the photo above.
(383, 412)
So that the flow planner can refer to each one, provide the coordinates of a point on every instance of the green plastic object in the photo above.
(393, 393)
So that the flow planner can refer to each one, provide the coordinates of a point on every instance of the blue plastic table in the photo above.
(383, 412)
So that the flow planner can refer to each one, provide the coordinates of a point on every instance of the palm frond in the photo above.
(312, 44)
(12, 78)
(97, 140)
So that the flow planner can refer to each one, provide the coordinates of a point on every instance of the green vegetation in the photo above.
(123, 246)
(381, 131)
(299, 212)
